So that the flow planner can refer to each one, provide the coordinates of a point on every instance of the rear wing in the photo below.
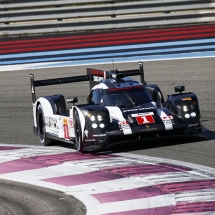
(54, 81)
(96, 75)
(93, 76)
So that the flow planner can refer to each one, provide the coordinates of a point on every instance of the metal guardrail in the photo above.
(49, 16)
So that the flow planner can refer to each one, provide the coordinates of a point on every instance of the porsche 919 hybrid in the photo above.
(118, 109)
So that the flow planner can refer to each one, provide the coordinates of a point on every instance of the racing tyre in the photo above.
(78, 134)
(41, 127)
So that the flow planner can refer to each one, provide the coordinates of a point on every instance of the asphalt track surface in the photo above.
(196, 74)
(20, 199)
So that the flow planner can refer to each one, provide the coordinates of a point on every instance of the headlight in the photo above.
(193, 114)
(185, 108)
(102, 125)
(100, 118)
(92, 118)
(187, 116)
(94, 125)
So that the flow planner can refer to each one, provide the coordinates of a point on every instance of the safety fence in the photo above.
(107, 47)
(56, 16)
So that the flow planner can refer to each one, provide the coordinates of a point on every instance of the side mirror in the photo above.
(72, 100)
(179, 89)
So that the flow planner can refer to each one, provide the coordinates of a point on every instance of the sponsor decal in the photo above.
(71, 125)
(97, 78)
(148, 128)
(66, 132)
(168, 120)
(65, 121)
(167, 117)
(66, 128)
(139, 109)
(123, 125)
(97, 72)
(51, 122)
(125, 88)
(142, 114)
(144, 118)
(99, 135)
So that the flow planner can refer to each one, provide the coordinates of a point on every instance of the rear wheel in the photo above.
(78, 133)
(41, 127)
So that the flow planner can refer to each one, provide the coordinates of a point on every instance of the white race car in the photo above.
(118, 109)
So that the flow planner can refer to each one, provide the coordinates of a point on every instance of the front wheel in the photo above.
(78, 133)
(41, 127)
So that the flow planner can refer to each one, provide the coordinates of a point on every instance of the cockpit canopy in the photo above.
(121, 97)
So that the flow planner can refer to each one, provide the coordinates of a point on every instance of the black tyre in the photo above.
(78, 133)
(41, 128)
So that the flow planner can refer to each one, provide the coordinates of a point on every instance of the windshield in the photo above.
(126, 97)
